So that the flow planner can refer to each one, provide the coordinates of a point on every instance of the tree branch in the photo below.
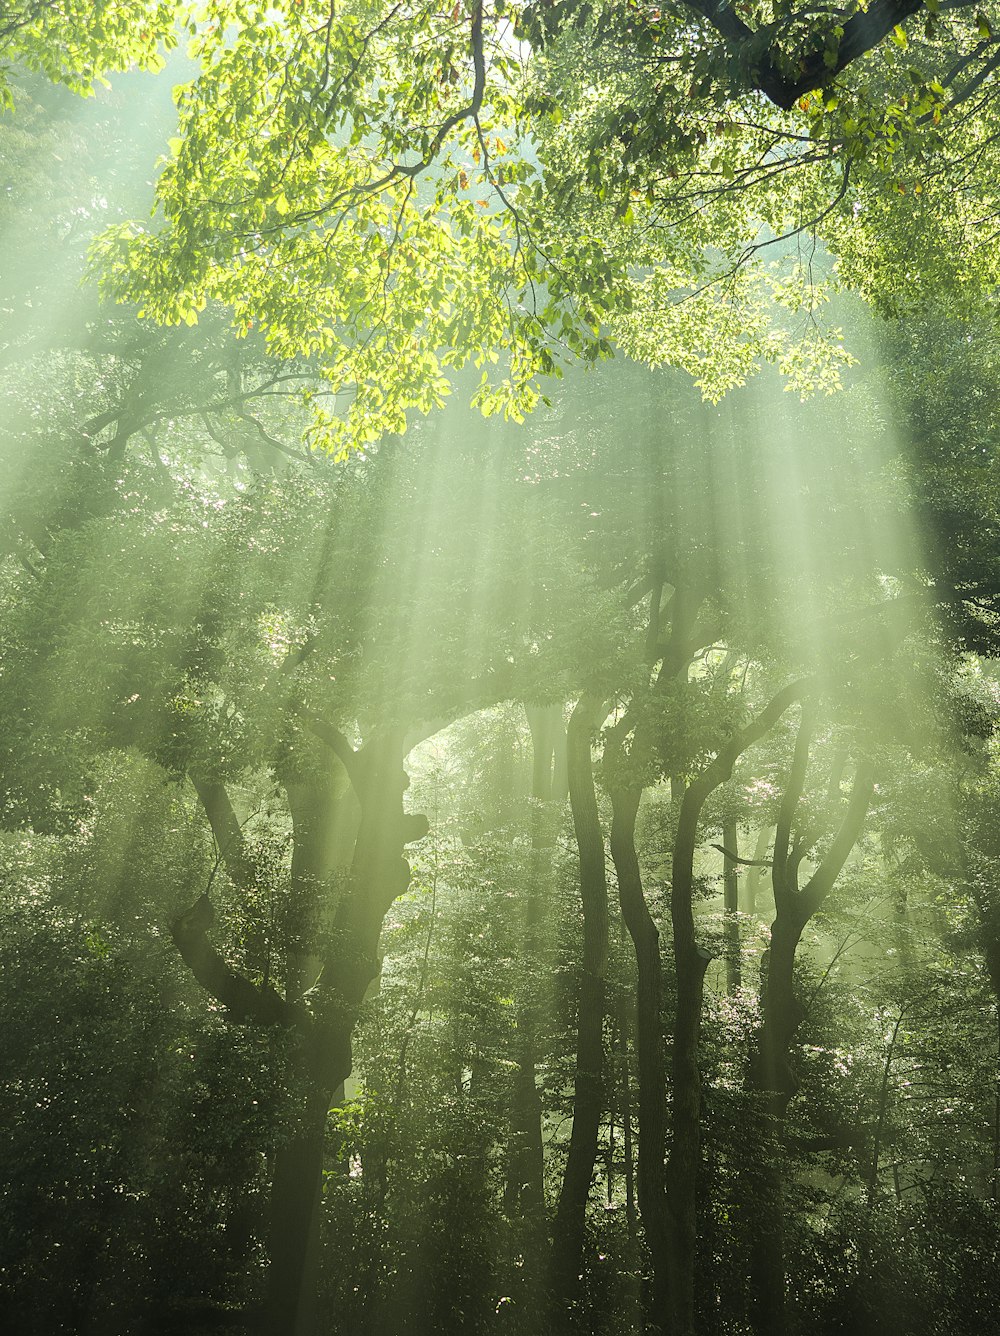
(743, 862)
(783, 870)
(338, 744)
(245, 1001)
(721, 767)
(821, 882)
(226, 828)
(818, 67)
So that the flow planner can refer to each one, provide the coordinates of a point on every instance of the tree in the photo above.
(256, 654)
(454, 185)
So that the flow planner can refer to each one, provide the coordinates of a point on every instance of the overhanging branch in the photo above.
(246, 1002)
(818, 67)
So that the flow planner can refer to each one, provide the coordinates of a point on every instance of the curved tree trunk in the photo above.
(379, 873)
(649, 1045)
(691, 961)
(589, 1086)
(781, 1014)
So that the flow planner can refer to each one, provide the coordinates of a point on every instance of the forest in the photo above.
(500, 667)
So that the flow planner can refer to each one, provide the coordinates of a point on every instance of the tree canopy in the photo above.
(397, 191)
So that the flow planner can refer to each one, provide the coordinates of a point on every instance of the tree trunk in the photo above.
(524, 1194)
(881, 1114)
(323, 824)
(730, 910)
(589, 1089)
(295, 1190)
(623, 1028)
(995, 1176)
(781, 1014)
(755, 872)
(772, 1077)
(685, 1152)
(649, 1045)
(691, 961)
(379, 873)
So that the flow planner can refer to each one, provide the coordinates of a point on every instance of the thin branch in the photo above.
(743, 862)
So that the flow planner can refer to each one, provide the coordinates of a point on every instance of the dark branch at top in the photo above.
(864, 31)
